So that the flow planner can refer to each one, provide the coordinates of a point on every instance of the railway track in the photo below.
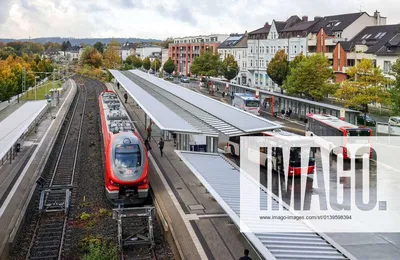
(48, 235)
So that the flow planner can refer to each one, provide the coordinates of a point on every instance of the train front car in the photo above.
(126, 160)
(126, 168)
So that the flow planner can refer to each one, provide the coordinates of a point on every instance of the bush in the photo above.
(99, 249)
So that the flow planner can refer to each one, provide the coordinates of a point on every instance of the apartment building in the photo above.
(378, 43)
(332, 29)
(264, 43)
(236, 45)
(184, 50)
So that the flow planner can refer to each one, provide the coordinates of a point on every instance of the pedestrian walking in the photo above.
(126, 97)
(118, 85)
(290, 112)
(149, 132)
(246, 255)
(161, 146)
(174, 136)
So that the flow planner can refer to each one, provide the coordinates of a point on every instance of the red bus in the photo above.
(233, 146)
(327, 125)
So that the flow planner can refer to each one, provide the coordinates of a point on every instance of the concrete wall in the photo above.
(147, 51)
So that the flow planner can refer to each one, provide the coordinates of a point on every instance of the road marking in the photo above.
(18, 182)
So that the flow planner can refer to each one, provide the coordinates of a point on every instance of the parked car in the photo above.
(370, 121)
(185, 80)
(169, 78)
(394, 120)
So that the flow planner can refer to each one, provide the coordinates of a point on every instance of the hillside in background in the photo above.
(78, 41)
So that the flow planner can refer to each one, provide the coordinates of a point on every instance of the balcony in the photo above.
(312, 42)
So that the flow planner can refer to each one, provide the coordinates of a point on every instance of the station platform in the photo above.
(18, 179)
(199, 227)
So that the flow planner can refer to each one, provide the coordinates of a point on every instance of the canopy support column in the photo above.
(215, 144)
(208, 144)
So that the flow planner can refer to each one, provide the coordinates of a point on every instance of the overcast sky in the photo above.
(163, 18)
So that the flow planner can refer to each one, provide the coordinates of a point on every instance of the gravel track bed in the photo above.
(90, 212)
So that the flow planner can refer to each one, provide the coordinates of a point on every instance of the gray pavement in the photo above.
(18, 180)
(202, 229)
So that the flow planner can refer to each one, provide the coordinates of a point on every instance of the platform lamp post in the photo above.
(36, 77)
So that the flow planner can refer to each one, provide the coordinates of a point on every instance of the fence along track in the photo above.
(48, 236)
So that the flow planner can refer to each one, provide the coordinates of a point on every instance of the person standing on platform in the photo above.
(246, 255)
(174, 136)
(149, 132)
(161, 146)
(126, 97)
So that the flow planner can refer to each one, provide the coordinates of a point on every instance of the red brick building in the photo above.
(184, 50)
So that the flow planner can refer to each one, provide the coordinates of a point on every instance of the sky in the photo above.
(159, 19)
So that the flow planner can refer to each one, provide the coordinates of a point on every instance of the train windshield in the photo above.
(252, 103)
(128, 156)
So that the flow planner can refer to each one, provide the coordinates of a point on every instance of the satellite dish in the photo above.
(364, 41)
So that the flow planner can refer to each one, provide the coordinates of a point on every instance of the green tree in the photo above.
(156, 64)
(311, 77)
(146, 63)
(169, 66)
(230, 67)
(166, 42)
(99, 46)
(91, 56)
(293, 64)
(137, 62)
(129, 60)
(395, 90)
(207, 64)
(278, 68)
(366, 84)
(6, 52)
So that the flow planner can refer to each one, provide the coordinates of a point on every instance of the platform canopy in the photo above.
(290, 239)
(165, 102)
(17, 123)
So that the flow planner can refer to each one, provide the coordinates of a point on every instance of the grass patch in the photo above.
(41, 91)
(97, 248)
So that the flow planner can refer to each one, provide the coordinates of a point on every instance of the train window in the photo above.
(128, 156)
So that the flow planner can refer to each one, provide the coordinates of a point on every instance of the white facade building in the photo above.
(127, 50)
(147, 51)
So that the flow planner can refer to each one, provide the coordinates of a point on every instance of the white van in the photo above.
(247, 102)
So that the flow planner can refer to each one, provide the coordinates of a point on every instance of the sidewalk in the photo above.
(18, 179)
(199, 226)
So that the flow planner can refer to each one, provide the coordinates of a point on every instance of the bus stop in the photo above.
(273, 102)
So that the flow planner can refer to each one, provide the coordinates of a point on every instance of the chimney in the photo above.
(266, 25)
(304, 18)
(377, 16)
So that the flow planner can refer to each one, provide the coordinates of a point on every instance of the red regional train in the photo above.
(126, 160)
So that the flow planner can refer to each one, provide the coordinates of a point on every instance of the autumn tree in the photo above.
(366, 85)
(169, 66)
(395, 90)
(111, 57)
(91, 56)
(311, 77)
(230, 67)
(146, 63)
(156, 64)
(278, 68)
(207, 64)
